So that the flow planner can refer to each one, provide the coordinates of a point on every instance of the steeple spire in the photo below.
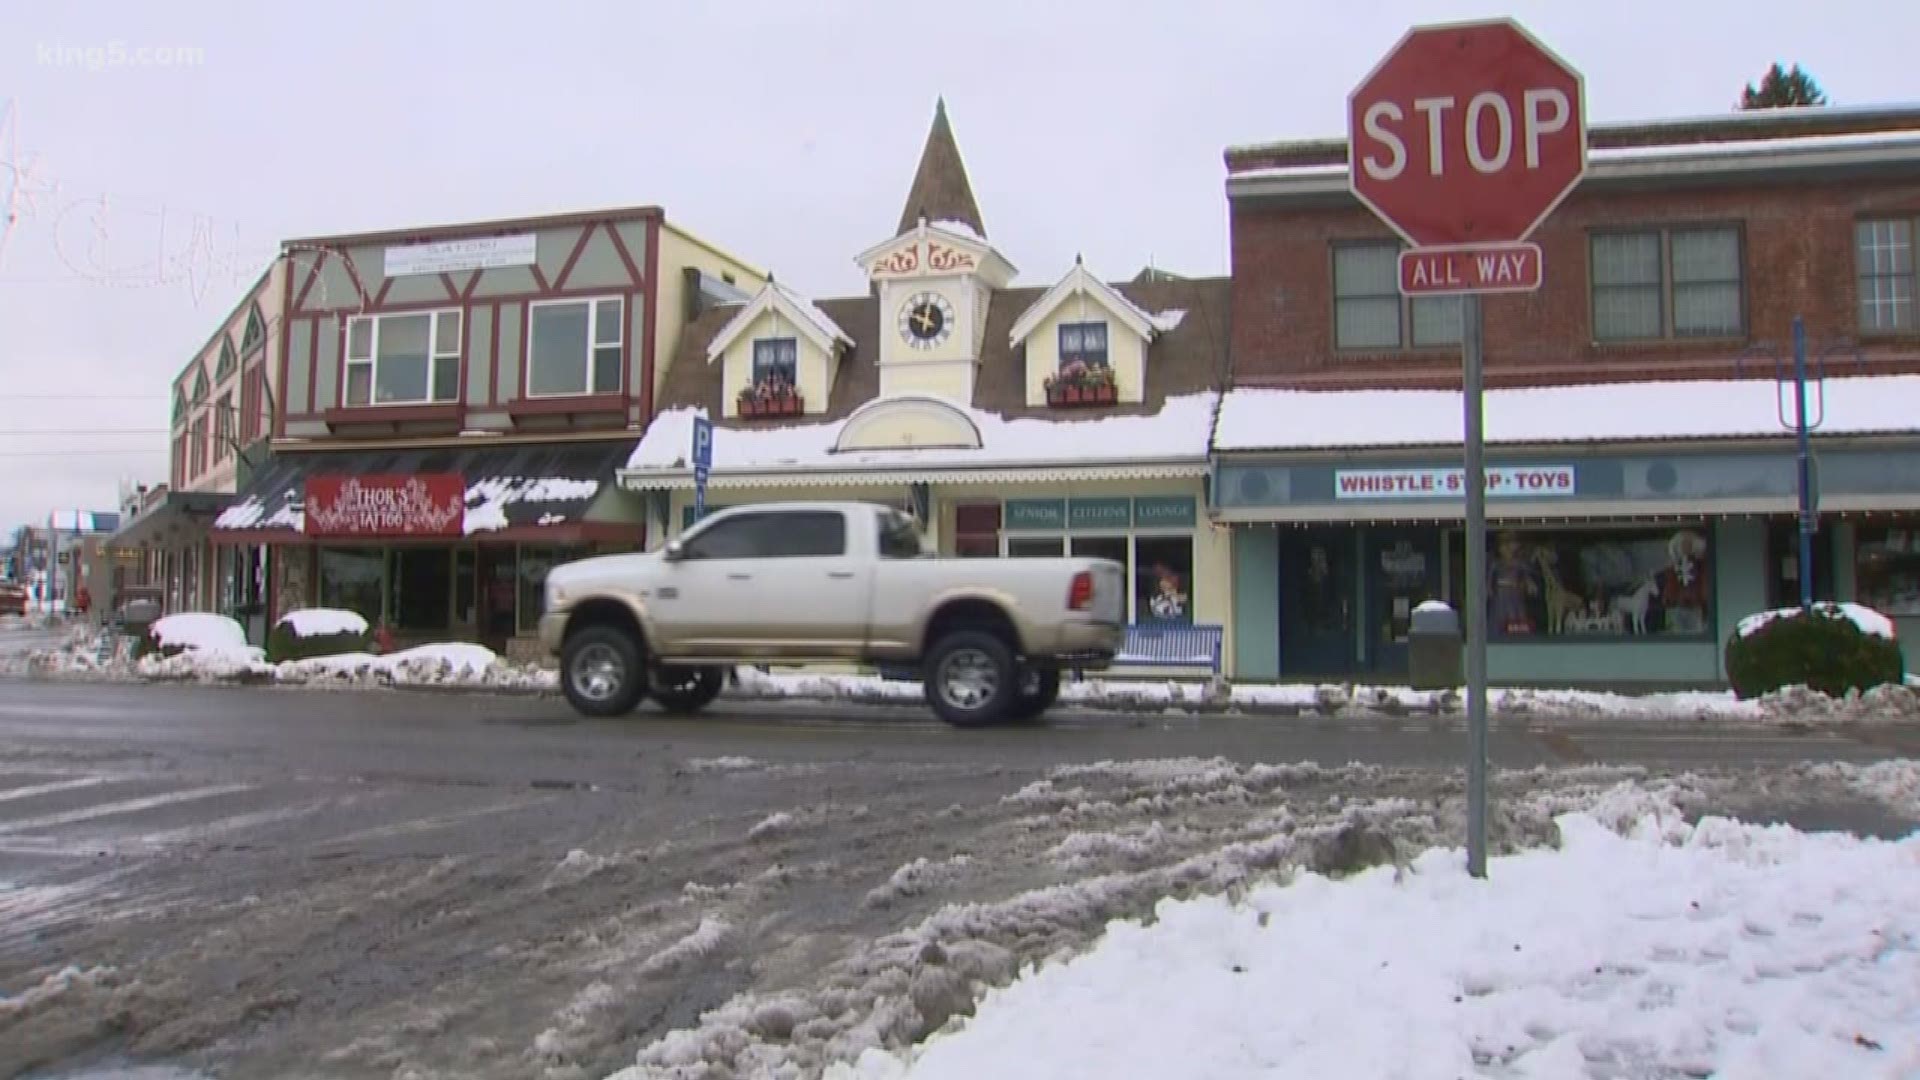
(940, 190)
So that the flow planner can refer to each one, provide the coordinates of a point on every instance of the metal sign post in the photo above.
(702, 463)
(1463, 139)
(1804, 462)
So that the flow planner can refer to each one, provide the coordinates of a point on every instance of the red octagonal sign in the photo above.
(1467, 133)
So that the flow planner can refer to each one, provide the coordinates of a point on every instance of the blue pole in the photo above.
(1805, 462)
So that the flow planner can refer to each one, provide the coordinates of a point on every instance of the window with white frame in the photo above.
(411, 359)
(1160, 565)
(1883, 257)
(1083, 343)
(223, 427)
(776, 362)
(1369, 313)
(573, 347)
(1668, 283)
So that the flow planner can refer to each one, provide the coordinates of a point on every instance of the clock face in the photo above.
(926, 320)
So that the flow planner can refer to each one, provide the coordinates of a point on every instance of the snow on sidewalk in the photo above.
(1663, 949)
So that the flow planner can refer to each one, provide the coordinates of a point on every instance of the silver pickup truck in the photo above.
(813, 582)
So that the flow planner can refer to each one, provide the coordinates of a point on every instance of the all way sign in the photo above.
(1473, 268)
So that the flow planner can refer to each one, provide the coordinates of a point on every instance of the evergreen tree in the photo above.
(1783, 88)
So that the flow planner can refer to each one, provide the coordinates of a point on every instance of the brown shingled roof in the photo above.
(1188, 359)
(940, 190)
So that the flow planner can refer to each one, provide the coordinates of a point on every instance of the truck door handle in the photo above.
(843, 575)
(739, 577)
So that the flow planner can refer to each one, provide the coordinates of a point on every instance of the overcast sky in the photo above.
(156, 188)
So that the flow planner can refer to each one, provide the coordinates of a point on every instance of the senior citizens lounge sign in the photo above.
(415, 504)
(1531, 481)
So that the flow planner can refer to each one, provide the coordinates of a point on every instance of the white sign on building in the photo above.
(449, 256)
(1523, 481)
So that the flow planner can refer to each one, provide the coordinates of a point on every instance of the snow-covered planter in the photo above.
(313, 632)
(1834, 649)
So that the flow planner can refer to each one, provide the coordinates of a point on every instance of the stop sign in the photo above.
(1467, 133)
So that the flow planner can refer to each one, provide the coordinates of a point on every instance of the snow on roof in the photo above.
(1255, 419)
(1177, 431)
(1081, 281)
(958, 228)
(824, 330)
(1890, 140)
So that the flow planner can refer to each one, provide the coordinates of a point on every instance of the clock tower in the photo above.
(935, 278)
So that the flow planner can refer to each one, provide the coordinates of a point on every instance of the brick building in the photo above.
(1642, 480)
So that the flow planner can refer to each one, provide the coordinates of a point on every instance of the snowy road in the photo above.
(270, 883)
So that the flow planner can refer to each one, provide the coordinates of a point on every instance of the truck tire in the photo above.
(686, 690)
(971, 678)
(601, 671)
(1039, 688)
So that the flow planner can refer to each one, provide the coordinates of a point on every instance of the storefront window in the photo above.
(1035, 547)
(1887, 568)
(1595, 583)
(535, 561)
(1163, 579)
(350, 580)
(1100, 547)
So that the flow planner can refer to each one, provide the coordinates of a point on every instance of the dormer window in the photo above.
(1083, 343)
(776, 360)
(775, 386)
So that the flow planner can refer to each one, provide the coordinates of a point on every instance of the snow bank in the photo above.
(323, 622)
(1667, 949)
(453, 664)
(1868, 620)
(200, 630)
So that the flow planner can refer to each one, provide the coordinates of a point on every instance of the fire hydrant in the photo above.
(382, 640)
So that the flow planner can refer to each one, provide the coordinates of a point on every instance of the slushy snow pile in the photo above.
(453, 664)
(1663, 949)
(323, 622)
(1868, 620)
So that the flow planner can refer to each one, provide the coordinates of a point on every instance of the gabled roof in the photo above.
(1079, 282)
(797, 309)
(991, 265)
(940, 191)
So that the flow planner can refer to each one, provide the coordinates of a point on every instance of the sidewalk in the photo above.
(473, 669)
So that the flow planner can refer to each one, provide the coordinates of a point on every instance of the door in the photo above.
(767, 584)
(1403, 569)
(1783, 563)
(1317, 592)
(496, 596)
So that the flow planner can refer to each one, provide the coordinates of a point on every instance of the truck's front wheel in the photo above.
(601, 671)
(971, 678)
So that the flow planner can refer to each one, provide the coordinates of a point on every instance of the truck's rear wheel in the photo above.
(971, 678)
(601, 671)
(686, 690)
(1038, 688)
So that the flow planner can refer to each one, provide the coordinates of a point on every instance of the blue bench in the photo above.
(1171, 644)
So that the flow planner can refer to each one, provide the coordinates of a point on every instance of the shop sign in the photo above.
(1100, 513)
(1163, 512)
(449, 256)
(386, 504)
(1036, 514)
(1525, 481)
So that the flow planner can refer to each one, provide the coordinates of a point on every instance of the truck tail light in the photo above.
(1080, 593)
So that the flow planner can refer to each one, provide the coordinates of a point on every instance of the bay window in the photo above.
(574, 347)
(411, 359)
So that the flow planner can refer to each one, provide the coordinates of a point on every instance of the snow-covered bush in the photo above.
(310, 632)
(1833, 649)
(194, 630)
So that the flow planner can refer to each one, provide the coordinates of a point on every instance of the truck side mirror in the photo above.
(674, 551)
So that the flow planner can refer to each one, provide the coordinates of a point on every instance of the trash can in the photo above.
(1434, 649)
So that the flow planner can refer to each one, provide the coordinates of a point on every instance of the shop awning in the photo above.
(510, 492)
(180, 515)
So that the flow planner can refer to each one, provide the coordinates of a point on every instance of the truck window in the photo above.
(772, 535)
(899, 536)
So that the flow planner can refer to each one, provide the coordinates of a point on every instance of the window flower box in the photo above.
(1080, 384)
(770, 399)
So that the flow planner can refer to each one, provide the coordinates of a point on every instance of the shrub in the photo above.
(284, 644)
(1824, 650)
